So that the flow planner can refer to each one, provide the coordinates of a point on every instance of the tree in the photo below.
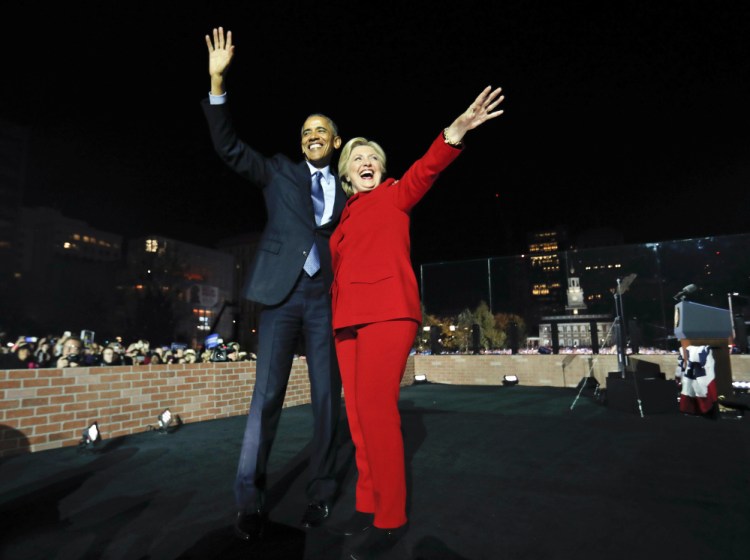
(504, 322)
(490, 336)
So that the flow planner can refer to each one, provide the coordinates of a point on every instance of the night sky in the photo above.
(632, 115)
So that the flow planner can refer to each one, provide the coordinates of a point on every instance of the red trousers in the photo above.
(372, 359)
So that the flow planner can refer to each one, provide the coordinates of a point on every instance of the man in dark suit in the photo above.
(291, 276)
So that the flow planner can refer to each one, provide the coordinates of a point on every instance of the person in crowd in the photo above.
(190, 356)
(290, 277)
(205, 355)
(21, 356)
(138, 352)
(43, 352)
(233, 352)
(376, 313)
(177, 356)
(110, 356)
(92, 354)
(72, 353)
(119, 348)
(155, 358)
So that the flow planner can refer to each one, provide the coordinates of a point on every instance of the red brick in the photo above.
(44, 410)
(46, 391)
(36, 382)
(47, 429)
(75, 389)
(22, 374)
(10, 384)
(9, 404)
(27, 403)
(62, 417)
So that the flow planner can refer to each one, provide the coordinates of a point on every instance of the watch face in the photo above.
(676, 317)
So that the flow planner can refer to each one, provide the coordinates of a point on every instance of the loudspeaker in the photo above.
(594, 328)
(513, 335)
(644, 369)
(740, 331)
(657, 395)
(588, 384)
(475, 338)
(555, 335)
(435, 346)
(634, 333)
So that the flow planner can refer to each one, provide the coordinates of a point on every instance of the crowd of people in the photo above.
(64, 351)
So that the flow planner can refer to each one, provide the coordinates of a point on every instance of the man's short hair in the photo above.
(334, 128)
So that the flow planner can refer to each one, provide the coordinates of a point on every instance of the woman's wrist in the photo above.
(449, 138)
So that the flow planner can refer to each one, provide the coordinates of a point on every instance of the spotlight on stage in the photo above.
(510, 380)
(420, 378)
(168, 422)
(91, 437)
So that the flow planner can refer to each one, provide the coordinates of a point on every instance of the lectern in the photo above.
(702, 325)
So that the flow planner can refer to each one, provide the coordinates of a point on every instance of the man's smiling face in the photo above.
(319, 140)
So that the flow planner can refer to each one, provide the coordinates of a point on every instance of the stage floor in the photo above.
(493, 473)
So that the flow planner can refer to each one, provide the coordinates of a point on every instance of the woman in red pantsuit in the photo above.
(376, 314)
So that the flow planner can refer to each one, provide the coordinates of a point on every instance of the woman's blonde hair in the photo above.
(346, 154)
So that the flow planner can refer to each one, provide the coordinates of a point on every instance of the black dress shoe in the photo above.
(249, 526)
(355, 525)
(376, 543)
(315, 514)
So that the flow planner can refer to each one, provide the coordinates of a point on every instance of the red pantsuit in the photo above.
(376, 313)
(371, 361)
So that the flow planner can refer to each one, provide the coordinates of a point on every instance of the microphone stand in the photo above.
(622, 355)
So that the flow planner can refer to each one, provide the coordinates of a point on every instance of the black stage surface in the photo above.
(494, 473)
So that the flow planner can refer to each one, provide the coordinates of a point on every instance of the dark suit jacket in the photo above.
(290, 229)
(373, 275)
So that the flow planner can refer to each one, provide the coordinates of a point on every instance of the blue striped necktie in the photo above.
(312, 264)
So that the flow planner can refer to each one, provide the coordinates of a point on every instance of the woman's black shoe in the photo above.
(375, 543)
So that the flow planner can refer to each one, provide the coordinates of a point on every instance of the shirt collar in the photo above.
(326, 171)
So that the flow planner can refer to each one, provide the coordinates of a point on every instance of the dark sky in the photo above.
(632, 115)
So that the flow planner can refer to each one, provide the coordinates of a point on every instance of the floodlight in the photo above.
(510, 380)
(420, 378)
(91, 436)
(168, 422)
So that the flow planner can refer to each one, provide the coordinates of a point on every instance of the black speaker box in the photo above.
(657, 396)
(639, 375)
(475, 338)
(587, 383)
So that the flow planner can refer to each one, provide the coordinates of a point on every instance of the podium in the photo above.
(702, 325)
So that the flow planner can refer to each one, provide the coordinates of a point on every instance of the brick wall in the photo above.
(49, 408)
(554, 370)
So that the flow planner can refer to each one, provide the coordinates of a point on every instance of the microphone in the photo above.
(689, 289)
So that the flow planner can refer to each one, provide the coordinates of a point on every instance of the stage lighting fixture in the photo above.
(91, 436)
(420, 378)
(168, 422)
(510, 380)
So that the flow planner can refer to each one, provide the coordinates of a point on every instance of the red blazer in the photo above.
(371, 249)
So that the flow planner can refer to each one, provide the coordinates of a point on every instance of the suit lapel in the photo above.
(304, 180)
(339, 200)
